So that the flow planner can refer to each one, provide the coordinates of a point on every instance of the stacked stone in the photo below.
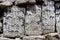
(30, 21)
(13, 22)
(58, 17)
(48, 17)
(33, 20)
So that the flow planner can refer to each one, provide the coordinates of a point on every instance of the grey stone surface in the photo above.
(58, 17)
(33, 20)
(6, 3)
(7, 0)
(20, 2)
(48, 17)
(32, 1)
(24, 1)
(33, 38)
(49, 37)
(13, 22)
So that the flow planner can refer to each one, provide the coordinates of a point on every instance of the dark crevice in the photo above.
(24, 19)
(1, 19)
(55, 15)
(39, 2)
(11, 37)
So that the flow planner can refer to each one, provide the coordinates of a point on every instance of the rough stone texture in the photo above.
(33, 37)
(13, 22)
(7, 0)
(32, 1)
(6, 3)
(48, 17)
(24, 1)
(20, 2)
(49, 37)
(58, 17)
(33, 20)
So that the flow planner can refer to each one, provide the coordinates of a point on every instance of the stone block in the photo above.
(13, 22)
(49, 37)
(17, 2)
(20, 2)
(33, 38)
(7, 0)
(5, 4)
(48, 17)
(33, 20)
(32, 1)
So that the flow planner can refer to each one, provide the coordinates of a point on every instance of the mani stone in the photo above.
(24, 1)
(33, 38)
(58, 17)
(13, 22)
(48, 17)
(33, 20)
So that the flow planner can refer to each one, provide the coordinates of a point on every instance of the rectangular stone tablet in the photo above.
(48, 17)
(33, 20)
(13, 22)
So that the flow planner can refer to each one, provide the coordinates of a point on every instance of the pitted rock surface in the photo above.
(13, 22)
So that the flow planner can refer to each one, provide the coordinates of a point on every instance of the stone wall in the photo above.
(29, 19)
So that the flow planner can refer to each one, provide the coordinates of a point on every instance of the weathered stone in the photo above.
(7, 0)
(32, 1)
(52, 34)
(24, 1)
(33, 37)
(48, 29)
(13, 22)
(49, 37)
(58, 17)
(48, 17)
(20, 2)
(33, 20)
(5, 4)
